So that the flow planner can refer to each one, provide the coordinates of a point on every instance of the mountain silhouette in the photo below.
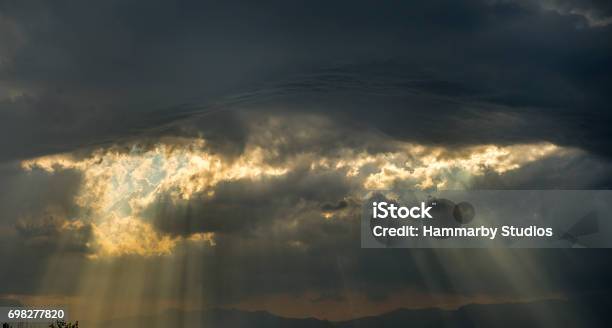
(586, 311)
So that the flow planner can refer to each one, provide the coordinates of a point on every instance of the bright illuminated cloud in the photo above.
(117, 185)
(120, 183)
(427, 167)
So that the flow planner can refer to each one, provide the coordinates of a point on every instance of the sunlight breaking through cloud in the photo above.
(119, 184)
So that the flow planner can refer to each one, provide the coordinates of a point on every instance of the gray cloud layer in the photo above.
(77, 76)
(442, 71)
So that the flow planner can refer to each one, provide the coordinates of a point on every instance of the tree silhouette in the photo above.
(57, 324)
(64, 324)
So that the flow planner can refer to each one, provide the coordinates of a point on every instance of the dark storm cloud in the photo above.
(243, 205)
(441, 72)
(469, 71)
(51, 234)
(334, 207)
(36, 194)
(35, 205)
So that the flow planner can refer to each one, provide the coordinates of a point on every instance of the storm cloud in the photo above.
(75, 74)
(216, 153)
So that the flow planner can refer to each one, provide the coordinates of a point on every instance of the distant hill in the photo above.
(587, 312)
(225, 318)
(523, 315)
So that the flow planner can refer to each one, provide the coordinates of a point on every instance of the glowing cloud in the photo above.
(118, 184)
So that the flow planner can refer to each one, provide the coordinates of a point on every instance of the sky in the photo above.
(202, 154)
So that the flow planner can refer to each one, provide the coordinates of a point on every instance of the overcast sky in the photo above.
(216, 151)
